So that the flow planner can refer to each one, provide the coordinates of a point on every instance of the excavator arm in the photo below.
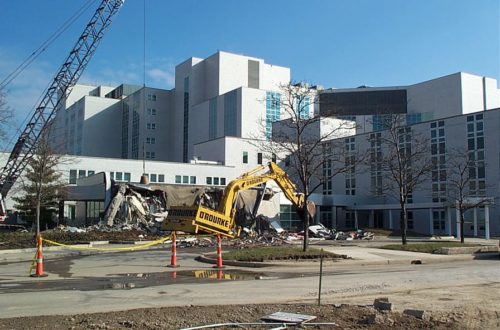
(201, 219)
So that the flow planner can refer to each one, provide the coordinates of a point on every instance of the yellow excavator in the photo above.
(203, 220)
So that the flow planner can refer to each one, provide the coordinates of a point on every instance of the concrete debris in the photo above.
(419, 314)
(146, 207)
(382, 304)
(319, 231)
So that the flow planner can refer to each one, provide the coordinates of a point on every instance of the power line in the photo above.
(43, 47)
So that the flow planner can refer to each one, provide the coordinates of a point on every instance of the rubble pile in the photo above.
(319, 231)
(145, 206)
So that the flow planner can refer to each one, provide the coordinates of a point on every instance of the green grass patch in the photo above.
(260, 254)
(18, 240)
(425, 247)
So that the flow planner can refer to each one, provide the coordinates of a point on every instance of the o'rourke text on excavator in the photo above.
(214, 219)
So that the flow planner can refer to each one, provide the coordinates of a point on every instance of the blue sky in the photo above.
(334, 43)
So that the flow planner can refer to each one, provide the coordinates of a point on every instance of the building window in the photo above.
(376, 164)
(410, 220)
(327, 181)
(302, 107)
(178, 179)
(161, 178)
(151, 126)
(126, 176)
(185, 179)
(273, 102)
(438, 157)
(350, 219)
(273, 158)
(82, 173)
(222, 181)
(350, 164)
(216, 181)
(209, 180)
(89, 173)
(192, 180)
(150, 140)
(151, 97)
(438, 220)
(72, 176)
(119, 176)
(259, 158)
(151, 111)
(152, 177)
(245, 157)
(475, 144)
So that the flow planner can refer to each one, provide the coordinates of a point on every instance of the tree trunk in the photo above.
(404, 223)
(462, 238)
(306, 230)
(37, 224)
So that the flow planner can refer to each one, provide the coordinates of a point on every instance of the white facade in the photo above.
(223, 95)
(432, 207)
(209, 127)
(455, 94)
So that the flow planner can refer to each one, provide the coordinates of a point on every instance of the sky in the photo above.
(333, 43)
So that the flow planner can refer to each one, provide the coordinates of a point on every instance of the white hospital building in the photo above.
(200, 132)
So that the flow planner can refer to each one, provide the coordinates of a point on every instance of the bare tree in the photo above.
(464, 190)
(307, 143)
(405, 160)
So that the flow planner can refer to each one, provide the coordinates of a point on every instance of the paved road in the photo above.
(119, 281)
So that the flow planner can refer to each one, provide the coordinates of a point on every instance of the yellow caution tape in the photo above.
(32, 263)
(137, 247)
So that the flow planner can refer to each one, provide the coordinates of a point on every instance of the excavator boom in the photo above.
(201, 219)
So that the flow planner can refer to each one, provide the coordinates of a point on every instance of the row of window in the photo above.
(259, 158)
(76, 174)
(155, 178)
(185, 179)
(216, 181)
(120, 176)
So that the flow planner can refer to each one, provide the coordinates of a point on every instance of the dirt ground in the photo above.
(344, 317)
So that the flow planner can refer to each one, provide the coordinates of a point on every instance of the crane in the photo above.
(60, 87)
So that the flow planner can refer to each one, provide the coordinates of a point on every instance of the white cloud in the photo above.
(166, 78)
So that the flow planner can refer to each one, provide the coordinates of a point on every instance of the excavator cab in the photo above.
(199, 219)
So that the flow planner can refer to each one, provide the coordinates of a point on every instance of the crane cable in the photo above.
(43, 47)
(32, 57)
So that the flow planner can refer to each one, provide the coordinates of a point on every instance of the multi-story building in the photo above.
(443, 97)
(204, 131)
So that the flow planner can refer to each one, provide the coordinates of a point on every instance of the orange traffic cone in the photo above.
(173, 258)
(39, 259)
(219, 253)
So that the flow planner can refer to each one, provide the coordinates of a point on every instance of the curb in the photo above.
(353, 262)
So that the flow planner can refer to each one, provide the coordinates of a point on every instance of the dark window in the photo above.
(259, 158)
(245, 157)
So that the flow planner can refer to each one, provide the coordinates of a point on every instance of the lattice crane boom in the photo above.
(60, 87)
